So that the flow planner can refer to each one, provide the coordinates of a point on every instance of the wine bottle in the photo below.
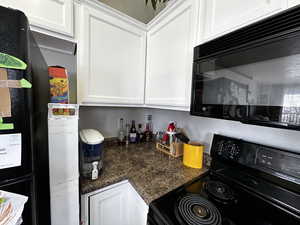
(132, 134)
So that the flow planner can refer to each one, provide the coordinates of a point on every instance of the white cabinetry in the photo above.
(170, 42)
(111, 57)
(220, 17)
(109, 207)
(63, 166)
(292, 3)
(117, 204)
(43, 15)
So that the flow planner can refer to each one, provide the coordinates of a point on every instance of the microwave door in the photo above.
(221, 93)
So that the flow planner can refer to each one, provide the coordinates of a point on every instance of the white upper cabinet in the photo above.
(220, 17)
(46, 15)
(170, 43)
(111, 57)
(292, 3)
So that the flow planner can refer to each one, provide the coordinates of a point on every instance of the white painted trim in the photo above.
(106, 188)
(51, 33)
(162, 101)
(111, 105)
(145, 106)
(56, 50)
(177, 108)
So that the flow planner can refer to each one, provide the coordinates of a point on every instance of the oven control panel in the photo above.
(228, 149)
(278, 162)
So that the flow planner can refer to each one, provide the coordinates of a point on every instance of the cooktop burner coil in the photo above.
(219, 191)
(196, 210)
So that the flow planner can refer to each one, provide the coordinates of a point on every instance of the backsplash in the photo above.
(202, 129)
(106, 119)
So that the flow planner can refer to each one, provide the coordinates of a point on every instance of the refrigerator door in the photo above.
(14, 39)
(25, 187)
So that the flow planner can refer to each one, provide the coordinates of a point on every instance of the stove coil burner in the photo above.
(219, 191)
(196, 210)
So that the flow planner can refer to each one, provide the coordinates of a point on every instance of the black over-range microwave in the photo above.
(251, 75)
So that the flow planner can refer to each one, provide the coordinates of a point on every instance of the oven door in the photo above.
(258, 84)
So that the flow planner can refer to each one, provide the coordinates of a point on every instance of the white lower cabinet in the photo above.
(118, 204)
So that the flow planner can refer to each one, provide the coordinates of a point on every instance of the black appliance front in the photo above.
(29, 116)
(252, 74)
(247, 184)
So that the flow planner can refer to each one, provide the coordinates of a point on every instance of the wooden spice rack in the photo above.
(167, 149)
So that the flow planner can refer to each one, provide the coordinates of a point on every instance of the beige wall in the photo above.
(135, 8)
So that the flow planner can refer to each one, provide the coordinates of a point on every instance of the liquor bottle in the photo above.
(148, 131)
(121, 135)
(139, 133)
(132, 133)
(127, 134)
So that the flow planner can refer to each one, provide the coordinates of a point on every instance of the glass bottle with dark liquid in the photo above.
(132, 133)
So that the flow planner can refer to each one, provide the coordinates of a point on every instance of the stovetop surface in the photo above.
(238, 207)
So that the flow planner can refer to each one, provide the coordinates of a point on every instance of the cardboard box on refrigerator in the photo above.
(5, 102)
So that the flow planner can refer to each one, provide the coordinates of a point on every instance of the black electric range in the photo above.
(247, 184)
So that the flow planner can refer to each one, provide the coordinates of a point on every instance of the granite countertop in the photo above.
(151, 172)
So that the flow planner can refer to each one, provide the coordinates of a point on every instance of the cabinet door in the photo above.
(110, 207)
(138, 209)
(224, 16)
(170, 43)
(53, 15)
(292, 3)
(111, 58)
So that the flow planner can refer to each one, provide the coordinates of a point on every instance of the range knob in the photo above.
(234, 151)
(220, 148)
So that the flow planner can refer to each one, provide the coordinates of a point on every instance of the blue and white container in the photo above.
(91, 151)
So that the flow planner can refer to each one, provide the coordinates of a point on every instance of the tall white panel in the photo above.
(65, 203)
(63, 165)
(63, 150)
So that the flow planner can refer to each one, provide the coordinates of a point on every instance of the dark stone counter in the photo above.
(151, 172)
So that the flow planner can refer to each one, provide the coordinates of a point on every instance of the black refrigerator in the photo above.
(29, 115)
